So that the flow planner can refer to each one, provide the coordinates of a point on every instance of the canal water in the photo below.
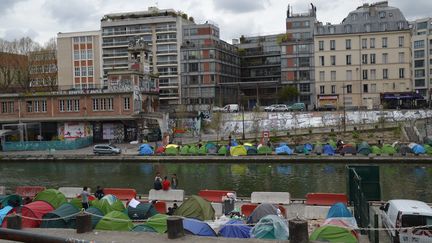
(397, 180)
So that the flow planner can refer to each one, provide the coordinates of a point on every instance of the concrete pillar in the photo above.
(83, 223)
(175, 227)
(298, 231)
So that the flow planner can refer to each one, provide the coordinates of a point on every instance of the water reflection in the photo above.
(397, 181)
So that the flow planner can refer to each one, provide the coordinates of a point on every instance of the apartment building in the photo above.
(209, 67)
(161, 29)
(260, 63)
(79, 60)
(43, 70)
(422, 56)
(297, 54)
(365, 60)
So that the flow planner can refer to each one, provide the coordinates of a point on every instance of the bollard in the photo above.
(298, 230)
(83, 223)
(175, 227)
(14, 221)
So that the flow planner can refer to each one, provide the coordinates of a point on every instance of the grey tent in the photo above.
(318, 149)
(261, 211)
(63, 216)
(96, 214)
(141, 211)
(404, 149)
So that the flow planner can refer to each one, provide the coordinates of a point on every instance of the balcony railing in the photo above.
(146, 31)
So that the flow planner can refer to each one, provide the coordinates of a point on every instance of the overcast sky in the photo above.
(43, 19)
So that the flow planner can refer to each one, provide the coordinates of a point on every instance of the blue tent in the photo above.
(198, 227)
(3, 212)
(145, 149)
(270, 227)
(417, 148)
(328, 149)
(235, 229)
(284, 149)
(308, 147)
(339, 210)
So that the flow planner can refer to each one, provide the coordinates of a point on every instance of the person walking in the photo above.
(84, 198)
(174, 181)
(99, 194)
(157, 185)
(166, 184)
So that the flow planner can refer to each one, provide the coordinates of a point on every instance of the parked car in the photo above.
(276, 107)
(297, 107)
(327, 107)
(217, 109)
(231, 108)
(407, 213)
(106, 149)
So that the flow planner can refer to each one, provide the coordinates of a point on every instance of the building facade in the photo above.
(209, 67)
(79, 60)
(161, 29)
(422, 57)
(365, 57)
(297, 54)
(43, 70)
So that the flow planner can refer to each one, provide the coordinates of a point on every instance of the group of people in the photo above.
(165, 184)
(99, 194)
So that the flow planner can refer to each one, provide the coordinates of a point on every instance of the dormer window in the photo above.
(367, 27)
(366, 16)
(348, 28)
(382, 14)
(332, 30)
(354, 17)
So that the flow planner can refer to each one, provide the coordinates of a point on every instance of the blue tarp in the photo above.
(235, 229)
(145, 149)
(284, 149)
(418, 149)
(308, 147)
(3, 212)
(198, 227)
(339, 210)
(328, 149)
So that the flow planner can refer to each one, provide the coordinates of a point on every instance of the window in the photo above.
(385, 73)
(401, 41)
(332, 44)
(95, 104)
(90, 54)
(321, 76)
(36, 106)
(29, 105)
(43, 106)
(76, 55)
(348, 75)
(76, 105)
(419, 44)
(84, 71)
(367, 27)
(333, 89)
(321, 58)
(373, 74)
(385, 58)
(373, 88)
(126, 103)
(365, 74)
(321, 45)
(322, 89)
(401, 72)
(348, 28)
(77, 72)
(401, 57)
(384, 42)
(419, 63)
(348, 59)
(419, 83)
(61, 105)
(419, 73)
(348, 44)
(372, 58)
(364, 43)
(333, 75)
(419, 54)
(364, 58)
(90, 71)
(333, 60)
(83, 54)
(372, 43)
(69, 105)
(365, 88)
(349, 88)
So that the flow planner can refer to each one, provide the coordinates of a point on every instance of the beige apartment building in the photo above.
(79, 60)
(364, 60)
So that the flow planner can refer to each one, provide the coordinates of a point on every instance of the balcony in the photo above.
(166, 29)
(159, 41)
(127, 32)
(113, 44)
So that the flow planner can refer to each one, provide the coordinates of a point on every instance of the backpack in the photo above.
(157, 185)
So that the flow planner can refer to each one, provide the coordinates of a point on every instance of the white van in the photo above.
(231, 108)
(398, 214)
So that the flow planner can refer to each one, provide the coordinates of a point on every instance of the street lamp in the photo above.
(344, 109)
(243, 126)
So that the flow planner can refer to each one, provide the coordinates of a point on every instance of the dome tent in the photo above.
(235, 229)
(158, 222)
(37, 210)
(196, 207)
(51, 196)
(108, 204)
(261, 211)
(333, 233)
(97, 215)
(264, 150)
(270, 227)
(238, 150)
(116, 221)
(338, 210)
(141, 211)
(10, 200)
(145, 149)
(198, 227)
(62, 214)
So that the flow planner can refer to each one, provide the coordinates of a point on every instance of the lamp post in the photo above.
(344, 109)
(243, 123)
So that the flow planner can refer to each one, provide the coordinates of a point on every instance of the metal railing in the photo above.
(361, 205)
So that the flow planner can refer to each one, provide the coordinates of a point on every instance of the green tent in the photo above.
(428, 148)
(299, 149)
(376, 150)
(202, 150)
(172, 151)
(108, 204)
(96, 215)
(364, 148)
(10, 200)
(193, 150)
(238, 150)
(77, 202)
(51, 196)
(141, 211)
(332, 143)
(61, 217)
(264, 150)
(158, 222)
(196, 207)
(143, 228)
(388, 149)
(116, 221)
(333, 233)
(223, 150)
(184, 150)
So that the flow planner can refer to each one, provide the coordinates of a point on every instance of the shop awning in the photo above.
(400, 96)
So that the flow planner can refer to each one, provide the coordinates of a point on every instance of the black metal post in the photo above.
(243, 136)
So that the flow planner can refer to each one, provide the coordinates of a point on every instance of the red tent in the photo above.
(160, 150)
(34, 210)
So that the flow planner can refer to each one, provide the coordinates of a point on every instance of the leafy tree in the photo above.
(289, 93)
